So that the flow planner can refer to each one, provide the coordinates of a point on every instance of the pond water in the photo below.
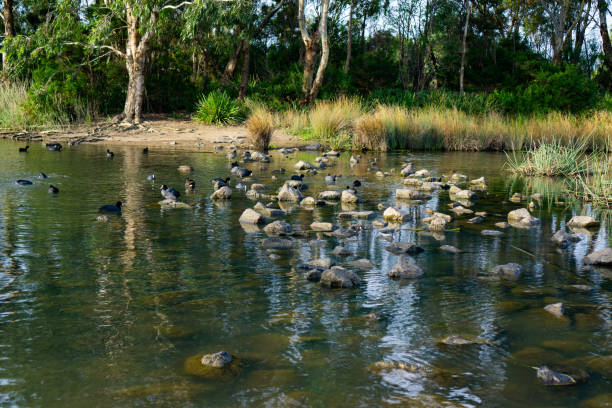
(105, 314)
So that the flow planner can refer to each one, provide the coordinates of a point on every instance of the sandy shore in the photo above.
(156, 131)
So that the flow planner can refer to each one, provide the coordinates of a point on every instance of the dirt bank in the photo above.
(157, 131)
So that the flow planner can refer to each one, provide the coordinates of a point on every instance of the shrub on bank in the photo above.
(370, 133)
(218, 108)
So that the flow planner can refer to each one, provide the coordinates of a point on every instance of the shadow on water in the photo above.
(108, 313)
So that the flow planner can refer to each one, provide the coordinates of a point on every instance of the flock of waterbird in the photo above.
(170, 193)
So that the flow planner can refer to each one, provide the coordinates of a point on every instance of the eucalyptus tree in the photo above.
(606, 44)
(8, 21)
(310, 86)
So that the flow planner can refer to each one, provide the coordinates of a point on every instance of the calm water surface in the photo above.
(104, 314)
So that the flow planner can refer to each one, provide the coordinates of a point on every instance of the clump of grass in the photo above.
(396, 123)
(370, 133)
(12, 98)
(596, 185)
(260, 125)
(217, 108)
(333, 121)
(551, 159)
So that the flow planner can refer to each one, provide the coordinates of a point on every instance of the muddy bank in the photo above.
(157, 131)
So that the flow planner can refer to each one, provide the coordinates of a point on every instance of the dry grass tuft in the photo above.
(370, 134)
(261, 126)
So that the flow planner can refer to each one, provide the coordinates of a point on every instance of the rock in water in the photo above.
(392, 214)
(522, 218)
(405, 269)
(250, 216)
(223, 193)
(563, 239)
(511, 271)
(602, 257)
(278, 227)
(582, 221)
(322, 226)
(338, 277)
(348, 197)
(550, 377)
(288, 193)
(403, 248)
(556, 309)
(217, 360)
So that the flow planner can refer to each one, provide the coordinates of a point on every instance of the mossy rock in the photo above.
(536, 356)
(193, 366)
(148, 390)
(278, 378)
(566, 345)
(204, 305)
(510, 306)
(175, 332)
(533, 291)
(601, 365)
(600, 401)
(298, 398)
(463, 340)
(588, 321)
(423, 401)
(169, 298)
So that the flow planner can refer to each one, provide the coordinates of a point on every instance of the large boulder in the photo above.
(288, 193)
(250, 216)
(563, 239)
(511, 271)
(603, 257)
(405, 269)
(338, 277)
(582, 221)
(522, 218)
(223, 193)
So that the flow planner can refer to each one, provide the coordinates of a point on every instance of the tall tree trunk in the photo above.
(349, 40)
(246, 65)
(9, 30)
(464, 44)
(602, 6)
(135, 60)
(318, 82)
(232, 63)
(311, 50)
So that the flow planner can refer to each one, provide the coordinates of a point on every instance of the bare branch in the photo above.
(108, 47)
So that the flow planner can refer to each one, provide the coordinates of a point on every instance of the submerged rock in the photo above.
(511, 271)
(403, 248)
(455, 340)
(491, 233)
(338, 277)
(602, 257)
(450, 248)
(277, 243)
(363, 264)
(366, 215)
(405, 269)
(408, 194)
(563, 239)
(341, 251)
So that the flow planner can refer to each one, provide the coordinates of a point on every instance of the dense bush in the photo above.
(218, 108)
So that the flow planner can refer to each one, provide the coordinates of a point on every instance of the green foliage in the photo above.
(217, 108)
(551, 159)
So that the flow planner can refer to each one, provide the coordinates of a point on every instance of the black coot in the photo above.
(24, 182)
(111, 209)
(53, 189)
(24, 149)
(169, 193)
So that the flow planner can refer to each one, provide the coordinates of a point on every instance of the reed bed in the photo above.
(443, 128)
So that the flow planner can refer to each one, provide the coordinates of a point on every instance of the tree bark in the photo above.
(246, 66)
(135, 60)
(318, 82)
(9, 30)
(232, 63)
(464, 44)
(349, 40)
(310, 52)
(602, 6)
